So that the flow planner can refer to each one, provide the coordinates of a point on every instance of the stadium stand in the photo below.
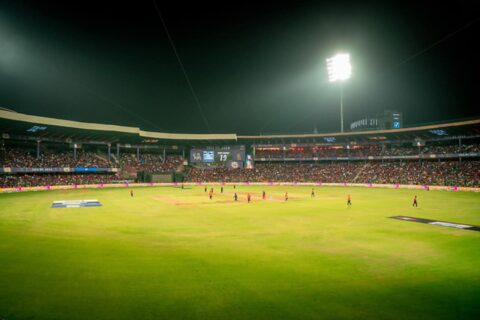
(52, 161)
(22, 158)
(47, 179)
(367, 150)
(46, 151)
(448, 173)
(151, 162)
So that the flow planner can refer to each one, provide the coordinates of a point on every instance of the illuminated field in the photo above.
(169, 253)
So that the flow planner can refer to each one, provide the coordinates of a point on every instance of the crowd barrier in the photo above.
(176, 184)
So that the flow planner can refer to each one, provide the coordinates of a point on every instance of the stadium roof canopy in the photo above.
(15, 125)
(439, 131)
(22, 125)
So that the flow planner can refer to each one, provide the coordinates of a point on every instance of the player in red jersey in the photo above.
(264, 195)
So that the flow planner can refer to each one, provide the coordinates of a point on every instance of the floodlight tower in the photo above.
(339, 69)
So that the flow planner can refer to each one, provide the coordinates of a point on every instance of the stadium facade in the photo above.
(46, 151)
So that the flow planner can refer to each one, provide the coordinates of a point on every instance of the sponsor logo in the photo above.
(75, 203)
(451, 225)
(439, 223)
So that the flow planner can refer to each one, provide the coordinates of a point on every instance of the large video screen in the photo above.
(220, 155)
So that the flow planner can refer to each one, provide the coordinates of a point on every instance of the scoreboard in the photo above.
(232, 156)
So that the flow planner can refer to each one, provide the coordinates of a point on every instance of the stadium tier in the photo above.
(38, 151)
(443, 173)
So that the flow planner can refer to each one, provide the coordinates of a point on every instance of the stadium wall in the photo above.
(176, 184)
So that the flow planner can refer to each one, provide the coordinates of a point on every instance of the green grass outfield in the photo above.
(169, 253)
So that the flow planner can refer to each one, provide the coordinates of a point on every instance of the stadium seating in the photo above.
(47, 179)
(26, 159)
(451, 173)
(363, 150)
(22, 158)
(431, 172)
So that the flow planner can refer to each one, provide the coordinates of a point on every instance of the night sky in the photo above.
(254, 68)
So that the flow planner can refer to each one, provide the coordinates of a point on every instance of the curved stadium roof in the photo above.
(19, 124)
(17, 121)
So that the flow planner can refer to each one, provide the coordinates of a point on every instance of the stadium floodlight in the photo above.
(339, 69)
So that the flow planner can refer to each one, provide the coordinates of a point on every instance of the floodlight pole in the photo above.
(341, 107)
(339, 69)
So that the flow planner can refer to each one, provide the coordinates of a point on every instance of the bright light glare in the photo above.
(339, 67)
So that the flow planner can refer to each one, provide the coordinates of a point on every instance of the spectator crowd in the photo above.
(451, 173)
(150, 162)
(431, 172)
(22, 158)
(19, 158)
(361, 150)
(50, 179)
